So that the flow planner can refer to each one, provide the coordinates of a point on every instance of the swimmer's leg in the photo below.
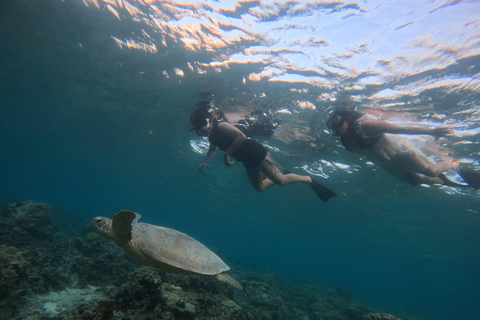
(414, 160)
(269, 173)
(274, 176)
(417, 179)
(262, 181)
(320, 190)
(273, 172)
(258, 179)
(435, 169)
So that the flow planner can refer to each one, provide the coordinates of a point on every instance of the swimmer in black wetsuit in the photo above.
(375, 139)
(261, 169)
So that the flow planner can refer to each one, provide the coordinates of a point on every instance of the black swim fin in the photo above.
(470, 176)
(446, 181)
(321, 191)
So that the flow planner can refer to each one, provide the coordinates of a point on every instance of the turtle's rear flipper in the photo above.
(321, 191)
(470, 176)
(228, 279)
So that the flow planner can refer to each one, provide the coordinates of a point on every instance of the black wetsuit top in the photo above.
(250, 152)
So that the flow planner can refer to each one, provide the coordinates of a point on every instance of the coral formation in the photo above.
(12, 270)
(72, 273)
(26, 224)
(380, 316)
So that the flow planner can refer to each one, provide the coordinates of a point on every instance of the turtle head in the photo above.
(103, 226)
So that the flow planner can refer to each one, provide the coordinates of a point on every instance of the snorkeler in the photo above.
(262, 171)
(365, 135)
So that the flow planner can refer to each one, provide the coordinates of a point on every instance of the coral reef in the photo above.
(268, 296)
(26, 224)
(380, 316)
(146, 296)
(12, 270)
(12, 267)
(55, 267)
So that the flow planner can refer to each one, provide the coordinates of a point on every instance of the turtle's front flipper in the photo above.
(227, 279)
(122, 225)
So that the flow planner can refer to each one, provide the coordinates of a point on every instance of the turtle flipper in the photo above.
(122, 225)
(228, 279)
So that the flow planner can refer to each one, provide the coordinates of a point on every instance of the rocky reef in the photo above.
(53, 266)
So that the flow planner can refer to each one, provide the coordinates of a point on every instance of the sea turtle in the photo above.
(162, 248)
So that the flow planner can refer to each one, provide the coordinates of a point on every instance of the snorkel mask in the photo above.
(334, 123)
(200, 118)
(199, 122)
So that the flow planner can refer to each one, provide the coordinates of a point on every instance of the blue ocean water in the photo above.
(95, 105)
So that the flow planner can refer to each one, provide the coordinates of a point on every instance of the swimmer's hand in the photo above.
(226, 160)
(201, 167)
(442, 132)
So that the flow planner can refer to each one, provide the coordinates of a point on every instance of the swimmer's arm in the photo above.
(208, 158)
(238, 138)
(373, 127)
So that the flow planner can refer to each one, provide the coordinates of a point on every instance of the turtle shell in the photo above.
(171, 250)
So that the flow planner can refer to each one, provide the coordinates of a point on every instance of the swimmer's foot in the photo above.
(446, 164)
(321, 191)
(455, 164)
(470, 176)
